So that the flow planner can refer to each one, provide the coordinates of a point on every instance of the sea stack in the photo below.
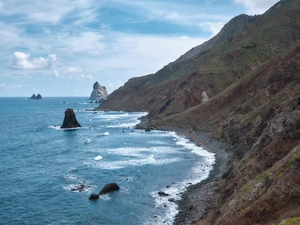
(36, 97)
(99, 92)
(70, 120)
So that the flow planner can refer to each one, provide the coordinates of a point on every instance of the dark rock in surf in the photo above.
(80, 188)
(109, 188)
(93, 197)
(70, 120)
(162, 193)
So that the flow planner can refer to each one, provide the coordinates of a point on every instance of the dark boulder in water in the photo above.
(93, 197)
(106, 189)
(70, 120)
(109, 188)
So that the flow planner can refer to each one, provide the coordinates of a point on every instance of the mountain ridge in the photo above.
(242, 90)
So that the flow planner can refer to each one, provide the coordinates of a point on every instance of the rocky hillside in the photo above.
(242, 87)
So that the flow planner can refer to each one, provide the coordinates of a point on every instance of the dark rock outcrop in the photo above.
(70, 120)
(93, 197)
(36, 97)
(99, 92)
(80, 188)
(109, 188)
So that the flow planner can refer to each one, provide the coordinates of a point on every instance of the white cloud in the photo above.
(86, 42)
(256, 6)
(55, 74)
(22, 62)
(46, 11)
(213, 27)
(74, 70)
(87, 76)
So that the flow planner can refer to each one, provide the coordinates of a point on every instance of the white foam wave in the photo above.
(192, 146)
(122, 125)
(132, 157)
(97, 158)
(198, 173)
(55, 127)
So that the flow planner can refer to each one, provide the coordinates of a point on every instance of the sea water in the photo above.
(41, 165)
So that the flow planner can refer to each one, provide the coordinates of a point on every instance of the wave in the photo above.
(65, 129)
(97, 158)
(136, 157)
(198, 173)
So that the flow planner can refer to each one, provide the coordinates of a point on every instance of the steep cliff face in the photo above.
(243, 88)
(99, 92)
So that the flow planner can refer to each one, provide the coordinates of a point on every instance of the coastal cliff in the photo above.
(241, 88)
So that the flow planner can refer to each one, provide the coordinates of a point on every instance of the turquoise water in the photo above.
(41, 163)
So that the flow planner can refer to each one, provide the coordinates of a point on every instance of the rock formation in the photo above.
(93, 197)
(109, 188)
(70, 120)
(99, 92)
(36, 97)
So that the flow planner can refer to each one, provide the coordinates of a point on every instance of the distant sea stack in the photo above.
(99, 92)
(70, 120)
(37, 97)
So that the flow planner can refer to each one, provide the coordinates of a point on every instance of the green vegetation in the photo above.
(292, 221)
(295, 158)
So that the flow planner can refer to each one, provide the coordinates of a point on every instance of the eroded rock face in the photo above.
(99, 92)
(70, 120)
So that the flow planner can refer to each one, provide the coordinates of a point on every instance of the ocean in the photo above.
(42, 166)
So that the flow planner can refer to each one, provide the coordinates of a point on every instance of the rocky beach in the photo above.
(199, 198)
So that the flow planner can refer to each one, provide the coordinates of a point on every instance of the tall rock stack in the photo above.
(99, 92)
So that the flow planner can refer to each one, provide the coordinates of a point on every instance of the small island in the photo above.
(36, 97)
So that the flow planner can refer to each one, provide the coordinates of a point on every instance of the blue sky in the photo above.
(61, 47)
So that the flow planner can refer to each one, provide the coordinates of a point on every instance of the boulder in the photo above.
(162, 193)
(109, 188)
(93, 197)
(70, 120)
(99, 92)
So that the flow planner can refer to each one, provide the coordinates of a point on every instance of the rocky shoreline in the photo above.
(198, 199)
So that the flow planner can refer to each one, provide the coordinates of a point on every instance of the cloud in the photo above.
(2, 85)
(55, 74)
(73, 70)
(22, 62)
(86, 42)
(213, 27)
(256, 6)
(87, 76)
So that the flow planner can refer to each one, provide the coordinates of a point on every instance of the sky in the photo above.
(62, 47)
